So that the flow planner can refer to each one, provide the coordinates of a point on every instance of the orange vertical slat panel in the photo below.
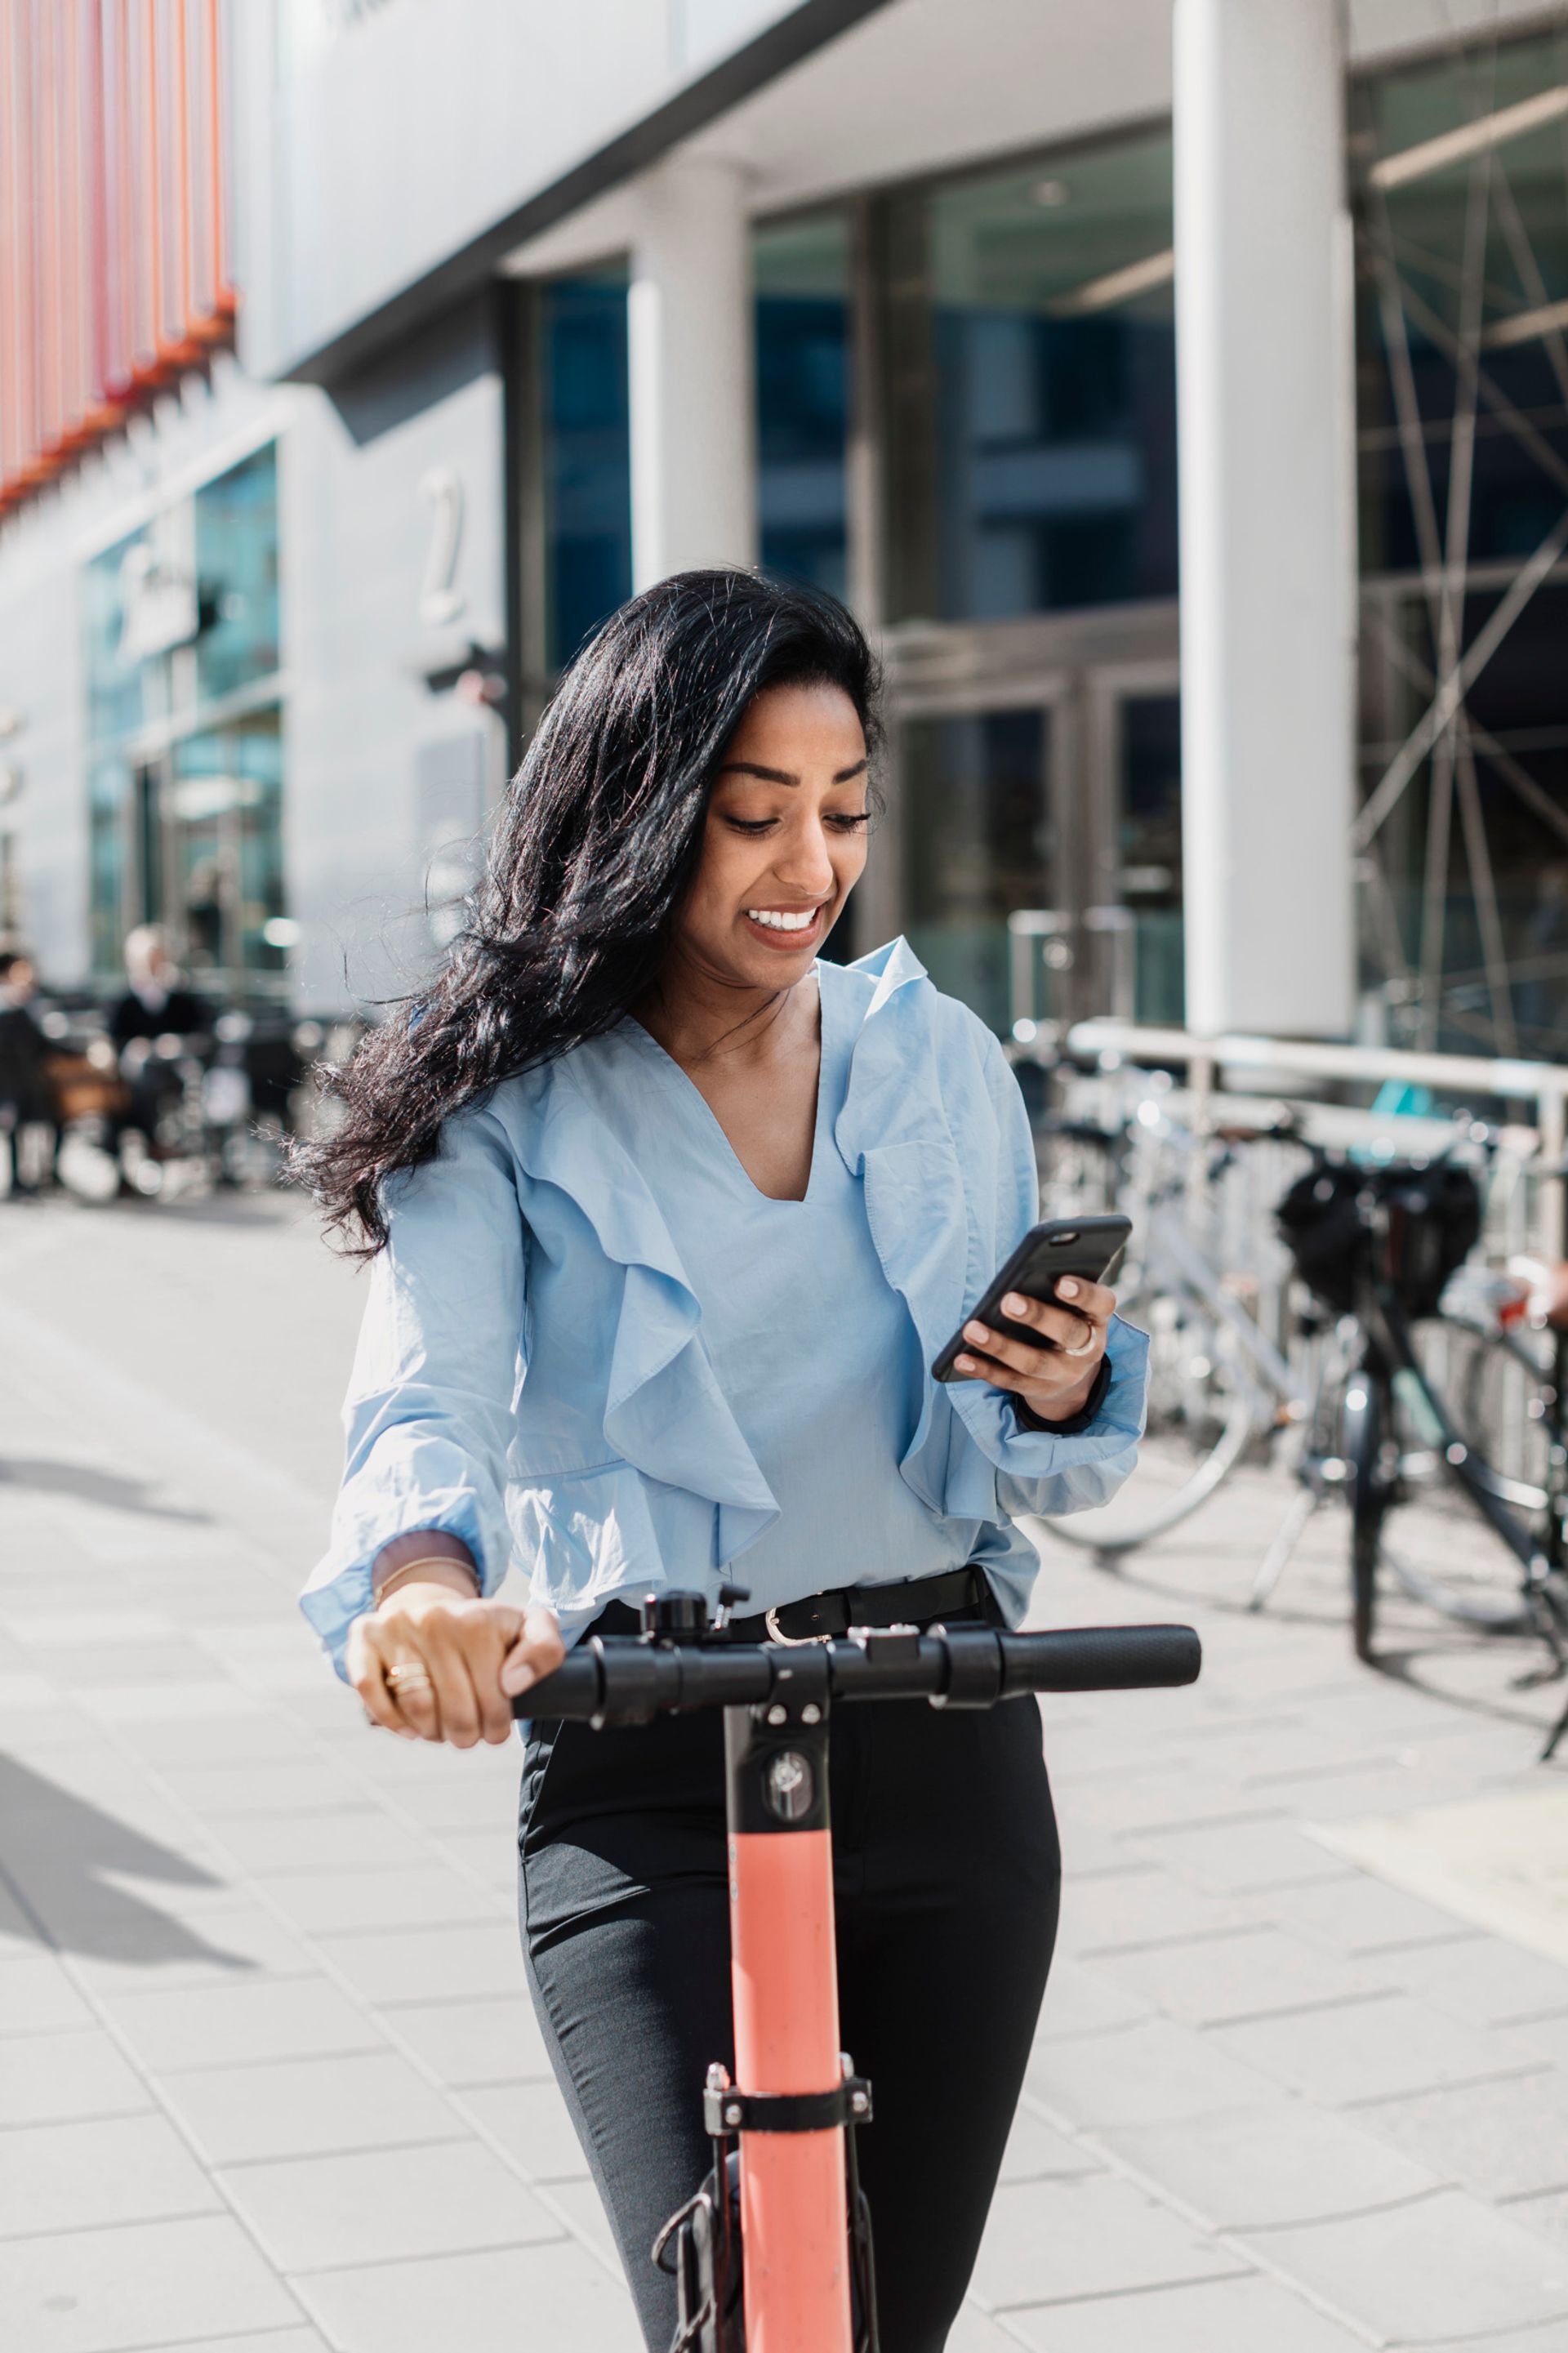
(46, 212)
(10, 389)
(119, 264)
(75, 287)
(23, 125)
(142, 211)
(113, 248)
(226, 297)
(99, 162)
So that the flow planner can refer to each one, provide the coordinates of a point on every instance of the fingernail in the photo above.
(964, 1363)
(975, 1332)
(1067, 1289)
(515, 1679)
(1014, 1304)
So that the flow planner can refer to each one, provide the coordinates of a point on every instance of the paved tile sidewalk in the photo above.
(269, 2079)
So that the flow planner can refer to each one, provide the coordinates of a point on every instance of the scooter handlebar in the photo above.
(625, 1680)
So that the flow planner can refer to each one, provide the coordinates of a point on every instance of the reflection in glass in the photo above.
(1150, 849)
(1031, 400)
(115, 699)
(1463, 432)
(802, 274)
(1513, 501)
(223, 839)
(236, 577)
(976, 815)
(587, 457)
(112, 909)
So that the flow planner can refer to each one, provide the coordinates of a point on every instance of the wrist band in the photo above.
(432, 1560)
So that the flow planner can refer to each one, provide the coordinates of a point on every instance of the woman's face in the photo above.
(786, 838)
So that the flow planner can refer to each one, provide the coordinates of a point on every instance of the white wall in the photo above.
(380, 141)
(356, 535)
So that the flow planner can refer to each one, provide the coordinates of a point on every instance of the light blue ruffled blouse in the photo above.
(594, 1350)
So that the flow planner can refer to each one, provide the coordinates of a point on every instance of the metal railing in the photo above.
(1544, 1086)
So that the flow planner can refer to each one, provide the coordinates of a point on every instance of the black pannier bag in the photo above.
(1424, 1221)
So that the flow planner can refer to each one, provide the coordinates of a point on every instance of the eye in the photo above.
(751, 825)
(843, 822)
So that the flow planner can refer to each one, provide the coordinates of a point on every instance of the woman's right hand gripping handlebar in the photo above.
(434, 1661)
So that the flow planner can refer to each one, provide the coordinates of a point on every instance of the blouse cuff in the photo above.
(1076, 1423)
(344, 1588)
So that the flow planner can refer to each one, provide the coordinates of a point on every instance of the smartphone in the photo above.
(1090, 1248)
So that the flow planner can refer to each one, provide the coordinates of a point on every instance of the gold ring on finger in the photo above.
(406, 1678)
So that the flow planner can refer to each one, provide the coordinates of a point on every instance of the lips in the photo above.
(786, 920)
(779, 928)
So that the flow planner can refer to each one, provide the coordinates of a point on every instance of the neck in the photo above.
(697, 1015)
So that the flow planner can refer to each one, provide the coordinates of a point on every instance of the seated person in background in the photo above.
(27, 1096)
(155, 1003)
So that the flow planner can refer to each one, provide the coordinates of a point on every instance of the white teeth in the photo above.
(777, 921)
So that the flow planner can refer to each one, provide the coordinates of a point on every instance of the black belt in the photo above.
(913, 1601)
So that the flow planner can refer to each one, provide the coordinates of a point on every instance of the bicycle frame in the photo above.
(807, 2283)
(1391, 1364)
(1392, 1356)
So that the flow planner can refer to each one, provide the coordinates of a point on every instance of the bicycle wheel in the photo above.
(1202, 1416)
(1494, 1386)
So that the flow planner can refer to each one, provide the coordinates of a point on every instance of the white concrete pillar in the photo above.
(1266, 410)
(690, 341)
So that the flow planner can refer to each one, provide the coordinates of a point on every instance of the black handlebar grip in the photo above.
(1102, 1657)
(576, 1689)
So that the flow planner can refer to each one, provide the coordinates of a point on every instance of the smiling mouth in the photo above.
(787, 923)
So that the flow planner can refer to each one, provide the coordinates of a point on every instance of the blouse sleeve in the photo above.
(1054, 1471)
(430, 1405)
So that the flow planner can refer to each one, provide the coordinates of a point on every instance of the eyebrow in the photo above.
(782, 775)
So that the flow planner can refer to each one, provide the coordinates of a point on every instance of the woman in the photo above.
(668, 1218)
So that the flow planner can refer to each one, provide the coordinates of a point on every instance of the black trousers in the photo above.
(947, 1878)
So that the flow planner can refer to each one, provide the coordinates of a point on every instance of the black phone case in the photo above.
(1086, 1247)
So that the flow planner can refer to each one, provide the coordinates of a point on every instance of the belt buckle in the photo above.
(790, 1641)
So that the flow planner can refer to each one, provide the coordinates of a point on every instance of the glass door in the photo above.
(984, 853)
(1134, 792)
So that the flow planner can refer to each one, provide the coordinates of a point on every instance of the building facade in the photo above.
(1178, 390)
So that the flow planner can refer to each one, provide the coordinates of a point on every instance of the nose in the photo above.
(807, 862)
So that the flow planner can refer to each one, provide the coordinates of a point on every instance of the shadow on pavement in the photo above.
(63, 1857)
(84, 1484)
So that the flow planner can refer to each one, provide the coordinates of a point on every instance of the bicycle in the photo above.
(1219, 1387)
(1419, 1412)
(773, 2253)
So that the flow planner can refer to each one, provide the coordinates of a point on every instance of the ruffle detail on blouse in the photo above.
(915, 1070)
(664, 1412)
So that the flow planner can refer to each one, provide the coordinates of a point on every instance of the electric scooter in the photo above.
(785, 2266)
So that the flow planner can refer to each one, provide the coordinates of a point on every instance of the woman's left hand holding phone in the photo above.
(434, 1661)
(1055, 1379)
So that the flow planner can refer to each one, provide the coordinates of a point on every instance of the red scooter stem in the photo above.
(794, 2204)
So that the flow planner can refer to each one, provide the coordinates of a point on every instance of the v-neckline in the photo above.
(705, 1109)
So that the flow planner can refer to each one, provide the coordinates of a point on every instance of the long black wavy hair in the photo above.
(593, 851)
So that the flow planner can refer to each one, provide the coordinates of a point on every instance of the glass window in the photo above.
(1031, 388)
(802, 271)
(223, 849)
(587, 456)
(1464, 266)
(1522, 271)
(123, 692)
(113, 910)
(236, 577)
(980, 846)
(1149, 848)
